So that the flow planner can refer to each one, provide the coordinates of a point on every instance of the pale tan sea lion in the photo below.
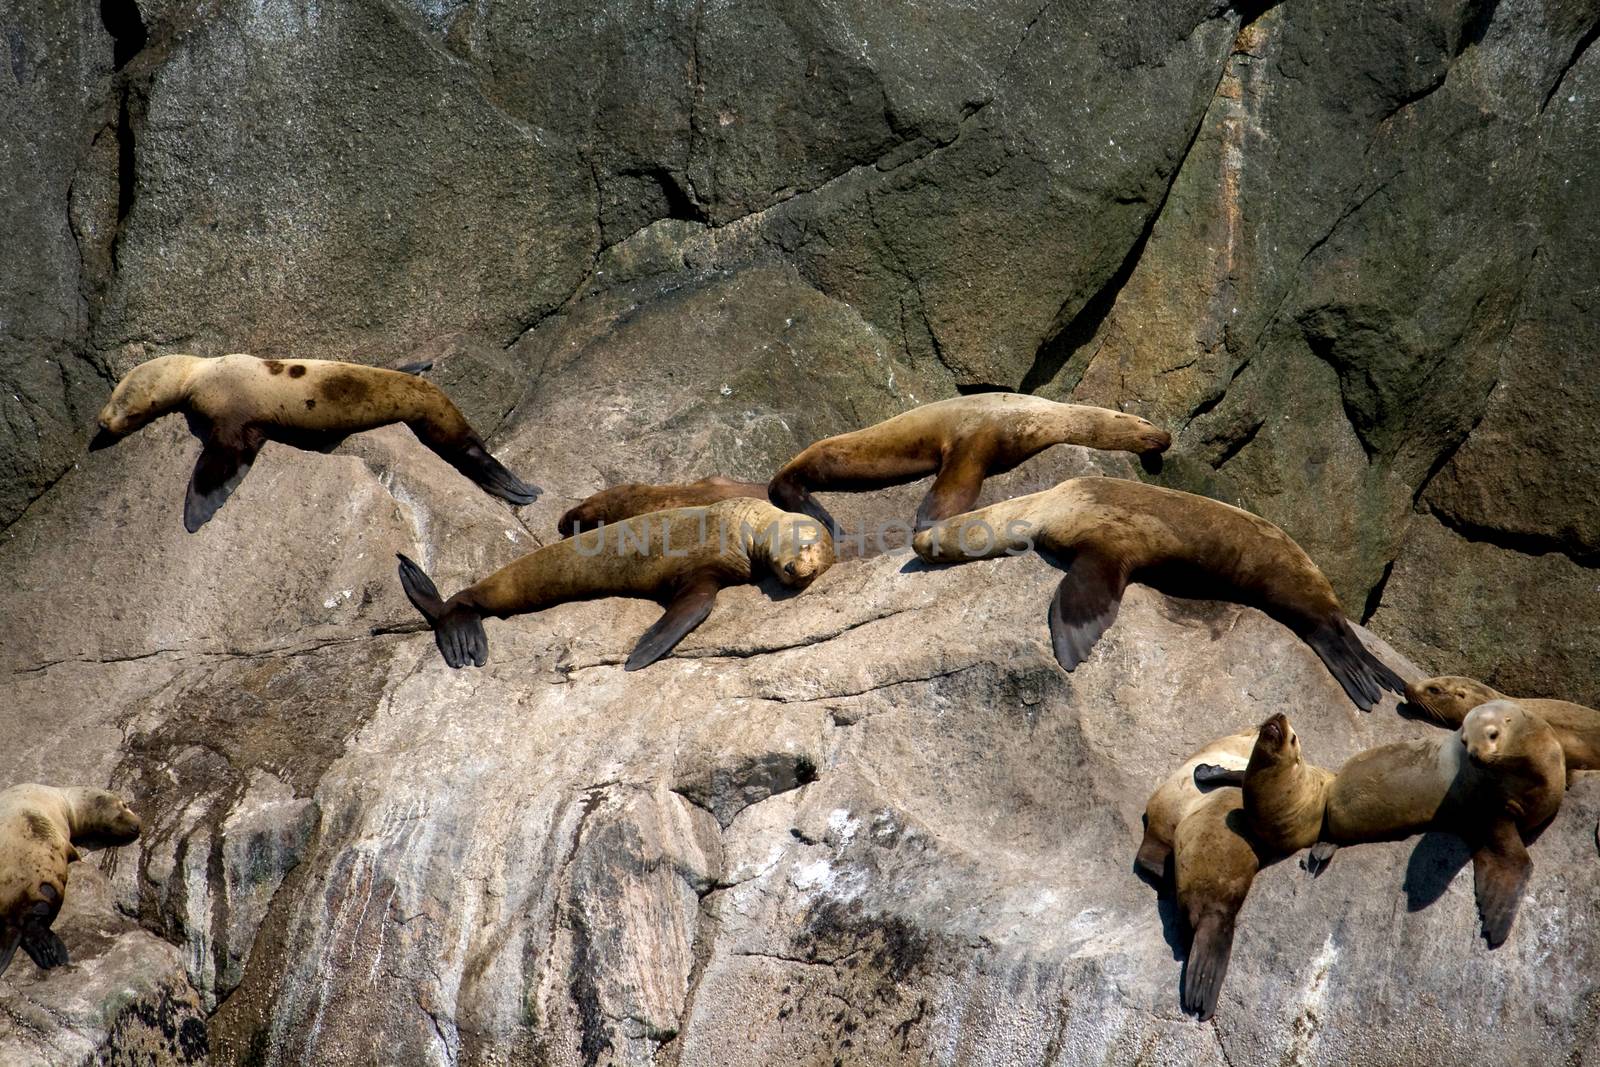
(619, 502)
(681, 557)
(1499, 777)
(1108, 531)
(237, 403)
(39, 827)
(964, 439)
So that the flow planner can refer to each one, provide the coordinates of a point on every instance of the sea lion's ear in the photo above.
(688, 609)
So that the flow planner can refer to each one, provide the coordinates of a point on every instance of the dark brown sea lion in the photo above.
(681, 557)
(237, 403)
(1108, 531)
(39, 827)
(1498, 778)
(611, 506)
(964, 440)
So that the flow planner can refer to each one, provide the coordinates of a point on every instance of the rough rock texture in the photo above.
(1346, 252)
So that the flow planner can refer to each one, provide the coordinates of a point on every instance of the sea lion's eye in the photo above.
(1433, 689)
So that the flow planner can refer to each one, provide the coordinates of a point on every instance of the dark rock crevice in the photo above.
(1588, 38)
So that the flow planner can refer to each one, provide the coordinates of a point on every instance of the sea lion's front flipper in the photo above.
(10, 938)
(1500, 869)
(420, 367)
(45, 947)
(1214, 774)
(1319, 856)
(458, 631)
(688, 609)
(1085, 604)
(471, 458)
(224, 460)
(956, 488)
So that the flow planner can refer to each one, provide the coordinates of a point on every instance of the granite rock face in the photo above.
(1346, 253)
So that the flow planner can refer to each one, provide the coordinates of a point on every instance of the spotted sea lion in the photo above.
(1499, 777)
(39, 827)
(963, 440)
(1446, 700)
(681, 557)
(237, 403)
(1108, 531)
(611, 506)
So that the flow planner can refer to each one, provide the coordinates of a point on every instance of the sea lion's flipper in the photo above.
(224, 460)
(1153, 856)
(1319, 856)
(956, 488)
(473, 459)
(420, 367)
(1207, 964)
(786, 491)
(1214, 774)
(45, 947)
(458, 631)
(688, 609)
(1362, 674)
(1500, 869)
(1085, 604)
(10, 938)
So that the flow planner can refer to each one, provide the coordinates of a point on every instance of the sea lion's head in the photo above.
(102, 818)
(801, 549)
(1492, 732)
(146, 393)
(1446, 699)
(1130, 433)
(1276, 744)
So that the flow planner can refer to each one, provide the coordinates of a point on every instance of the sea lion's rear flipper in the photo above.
(458, 632)
(1153, 856)
(471, 458)
(1207, 964)
(45, 948)
(1500, 869)
(1362, 674)
(10, 938)
(225, 459)
(955, 490)
(1212, 774)
(688, 609)
(420, 367)
(1085, 604)
(786, 491)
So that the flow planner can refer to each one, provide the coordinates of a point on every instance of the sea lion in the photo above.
(237, 403)
(681, 557)
(1498, 778)
(1445, 700)
(1108, 531)
(611, 506)
(964, 439)
(1214, 861)
(39, 827)
(1285, 798)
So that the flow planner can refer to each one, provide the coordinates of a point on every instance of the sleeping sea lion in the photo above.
(237, 403)
(39, 827)
(964, 439)
(611, 506)
(1498, 778)
(681, 557)
(1109, 530)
